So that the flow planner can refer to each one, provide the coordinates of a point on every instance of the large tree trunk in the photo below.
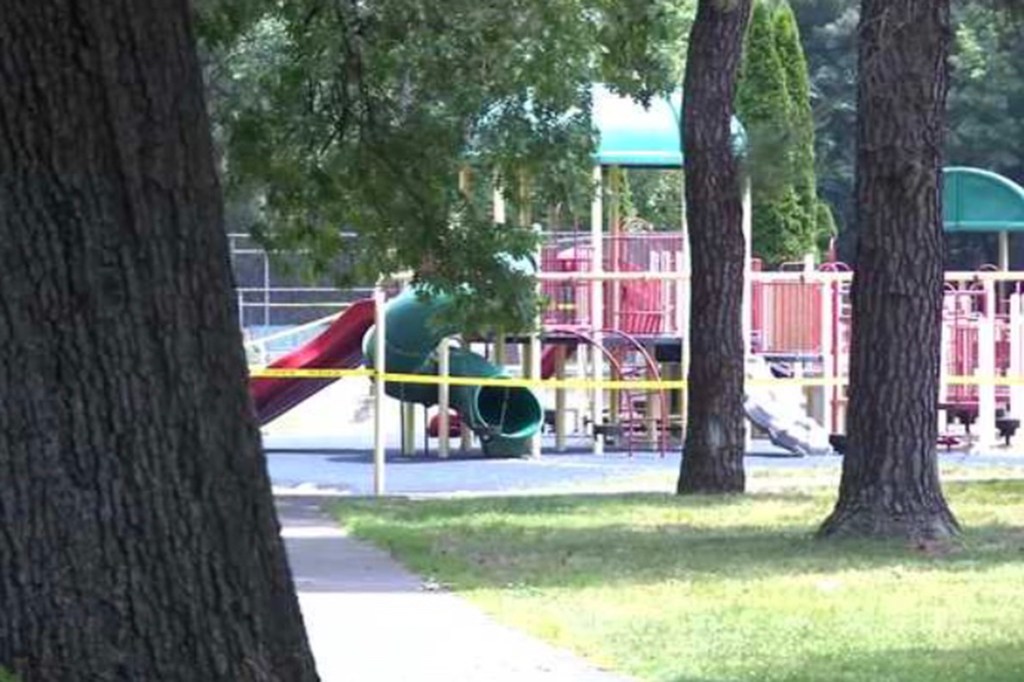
(713, 451)
(890, 484)
(138, 539)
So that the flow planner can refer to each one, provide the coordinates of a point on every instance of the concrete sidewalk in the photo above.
(370, 620)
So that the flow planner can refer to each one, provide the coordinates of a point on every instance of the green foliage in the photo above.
(656, 197)
(220, 22)
(643, 44)
(780, 227)
(8, 677)
(791, 55)
(360, 117)
(762, 103)
(825, 225)
(773, 102)
(986, 100)
(985, 107)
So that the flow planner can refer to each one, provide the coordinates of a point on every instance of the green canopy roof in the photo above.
(976, 200)
(631, 135)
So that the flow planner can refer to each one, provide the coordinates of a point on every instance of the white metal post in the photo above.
(987, 369)
(583, 360)
(747, 289)
(828, 351)
(597, 306)
(1004, 251)
(465, 433)
(560, 399)
(534, 372)
(500, 350)
(536, 349)
(498, 205)
(1016, 348)
(408, 415)
(945, 341)
(685, 289)
(443, 398)
(379, 368)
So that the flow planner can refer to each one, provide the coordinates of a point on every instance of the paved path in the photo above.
(370, 620)
(351, 471)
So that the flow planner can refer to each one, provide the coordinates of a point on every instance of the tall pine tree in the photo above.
(773, 101)
(801, 121)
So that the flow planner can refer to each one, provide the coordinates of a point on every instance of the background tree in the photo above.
(359, 117)
(773, 102)
(713, 450)
(985, 106)
(818, 224)
(139, 535)
(890, 483)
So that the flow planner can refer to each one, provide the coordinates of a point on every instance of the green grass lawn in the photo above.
(723, 589)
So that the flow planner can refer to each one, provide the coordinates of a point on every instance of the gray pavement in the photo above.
(350, 471)
(371, 620)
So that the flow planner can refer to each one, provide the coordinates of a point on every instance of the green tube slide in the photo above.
(503, 418)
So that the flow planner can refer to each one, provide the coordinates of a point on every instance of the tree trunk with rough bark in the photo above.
(138, 538)
(713, 450)
(890, 483)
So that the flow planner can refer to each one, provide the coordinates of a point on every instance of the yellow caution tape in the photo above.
(984, 381)
(276, 373)
(585, 384)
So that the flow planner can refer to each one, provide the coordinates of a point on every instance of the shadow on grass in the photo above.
(494, 556)
(638, 539)
(989, 663)
(453, 508)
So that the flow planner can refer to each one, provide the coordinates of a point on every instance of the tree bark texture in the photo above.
(713, 449)
(890, 484)
(138, 538)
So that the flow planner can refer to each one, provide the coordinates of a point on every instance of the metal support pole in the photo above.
(379, 348)
(828, 351)
(560, 399)
(987, 369)
(597, 307)
(535, 343)
(685, 289)
(443, 399)
(266, 290)
(408, 412)
(465, 433)
(1016, 349)
(534, 373)
(652, 416)
(500, 350)
(614, 289)
(944, 347)
(747, 289)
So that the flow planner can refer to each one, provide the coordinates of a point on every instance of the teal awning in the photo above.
(631, 135)
(976, 200)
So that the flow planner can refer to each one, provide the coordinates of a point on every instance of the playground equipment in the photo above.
(504, 418)
(337, 347)
(778, 409)
(620, 302)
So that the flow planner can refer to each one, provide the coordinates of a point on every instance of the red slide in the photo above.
(338, 347)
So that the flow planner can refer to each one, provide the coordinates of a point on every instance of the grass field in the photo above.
(728, 589)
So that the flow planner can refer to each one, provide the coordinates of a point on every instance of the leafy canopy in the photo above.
(360, 116)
